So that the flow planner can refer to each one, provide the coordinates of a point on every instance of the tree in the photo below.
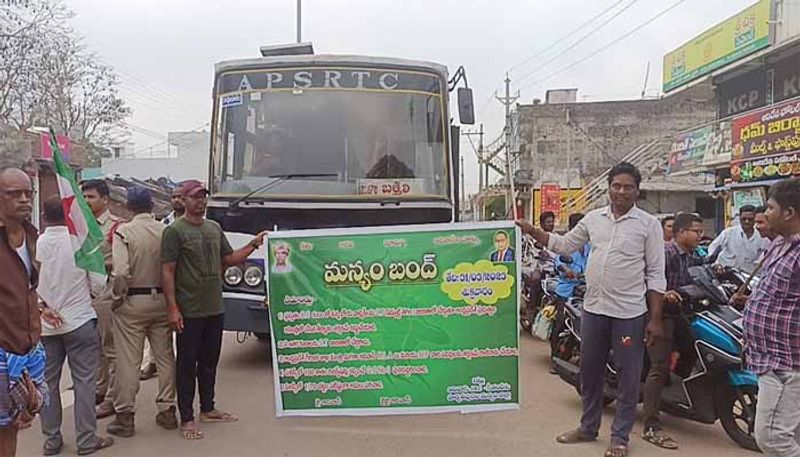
(23, 25)
(80, 97)
(12, 148)
(49, 78)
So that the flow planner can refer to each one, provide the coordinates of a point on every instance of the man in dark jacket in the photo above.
(22, 388)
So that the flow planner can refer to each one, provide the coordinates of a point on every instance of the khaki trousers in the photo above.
(136, 318)
(106, 374)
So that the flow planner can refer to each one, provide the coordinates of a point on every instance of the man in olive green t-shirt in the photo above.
(194, 251)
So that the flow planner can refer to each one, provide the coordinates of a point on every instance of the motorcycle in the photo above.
(545, 315)
(567, 344)
(718, 388)
(533, 258)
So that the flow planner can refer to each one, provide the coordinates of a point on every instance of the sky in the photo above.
(164, 50)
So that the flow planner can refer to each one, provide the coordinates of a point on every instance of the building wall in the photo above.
(788, 20)
(660, 203)
(601, 133)
(188, 161)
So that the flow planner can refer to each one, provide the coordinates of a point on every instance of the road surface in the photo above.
(245, 387)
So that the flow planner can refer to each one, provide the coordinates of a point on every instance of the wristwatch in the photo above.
(253, 244)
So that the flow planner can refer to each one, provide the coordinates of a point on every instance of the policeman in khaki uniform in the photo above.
(96, 193)
(140, 312)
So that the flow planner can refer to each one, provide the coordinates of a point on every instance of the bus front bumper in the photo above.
(245, 313)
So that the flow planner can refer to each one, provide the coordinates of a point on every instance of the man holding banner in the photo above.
(194, 252)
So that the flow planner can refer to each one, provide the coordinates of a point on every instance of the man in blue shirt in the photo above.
(568, 274)
(568, 278)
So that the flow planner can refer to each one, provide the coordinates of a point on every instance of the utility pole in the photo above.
(486, 171)
(480, 159)
(299, 21)
(568, 128)
(507, 101)
(478, 154)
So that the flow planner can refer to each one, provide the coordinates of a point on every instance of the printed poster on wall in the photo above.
(688, 150)
(719, 144)
(753, 196)
(697, 149)
(551, 198)
(395, 320)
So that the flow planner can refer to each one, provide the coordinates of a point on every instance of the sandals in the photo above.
(579, 436)
(575, 437)
(102, 443)
(616, 450)
(658, 438)
(190, 431)
(217, 416)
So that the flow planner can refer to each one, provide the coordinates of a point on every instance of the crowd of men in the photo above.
(162, 285)
(632, 306)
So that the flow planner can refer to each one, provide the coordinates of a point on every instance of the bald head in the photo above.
(13, 173)
(16, 195)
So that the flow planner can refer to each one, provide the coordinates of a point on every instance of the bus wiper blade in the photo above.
(280, 179)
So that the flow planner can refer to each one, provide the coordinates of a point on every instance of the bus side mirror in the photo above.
(466, 107)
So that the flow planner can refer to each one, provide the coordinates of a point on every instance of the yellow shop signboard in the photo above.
(729, 41)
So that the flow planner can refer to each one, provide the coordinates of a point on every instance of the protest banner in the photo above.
(395, 320)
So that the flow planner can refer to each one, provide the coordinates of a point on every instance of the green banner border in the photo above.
(380, 230)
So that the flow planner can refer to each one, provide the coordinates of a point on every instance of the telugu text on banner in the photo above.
(395, 320)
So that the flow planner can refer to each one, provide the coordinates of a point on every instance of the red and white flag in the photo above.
(84, 231)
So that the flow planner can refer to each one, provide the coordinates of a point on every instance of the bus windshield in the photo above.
(330, 142)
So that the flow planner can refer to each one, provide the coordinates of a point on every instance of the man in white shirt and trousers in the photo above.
(69, 332)
(740, 246)
(623, 303)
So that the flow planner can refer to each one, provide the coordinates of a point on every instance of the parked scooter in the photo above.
(545, 316)
(718, 387)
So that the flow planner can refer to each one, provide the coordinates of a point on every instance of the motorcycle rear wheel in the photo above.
(736, 409)
(567, 348)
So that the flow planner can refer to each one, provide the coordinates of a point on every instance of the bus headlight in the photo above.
(253, 276)
(233, 276)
